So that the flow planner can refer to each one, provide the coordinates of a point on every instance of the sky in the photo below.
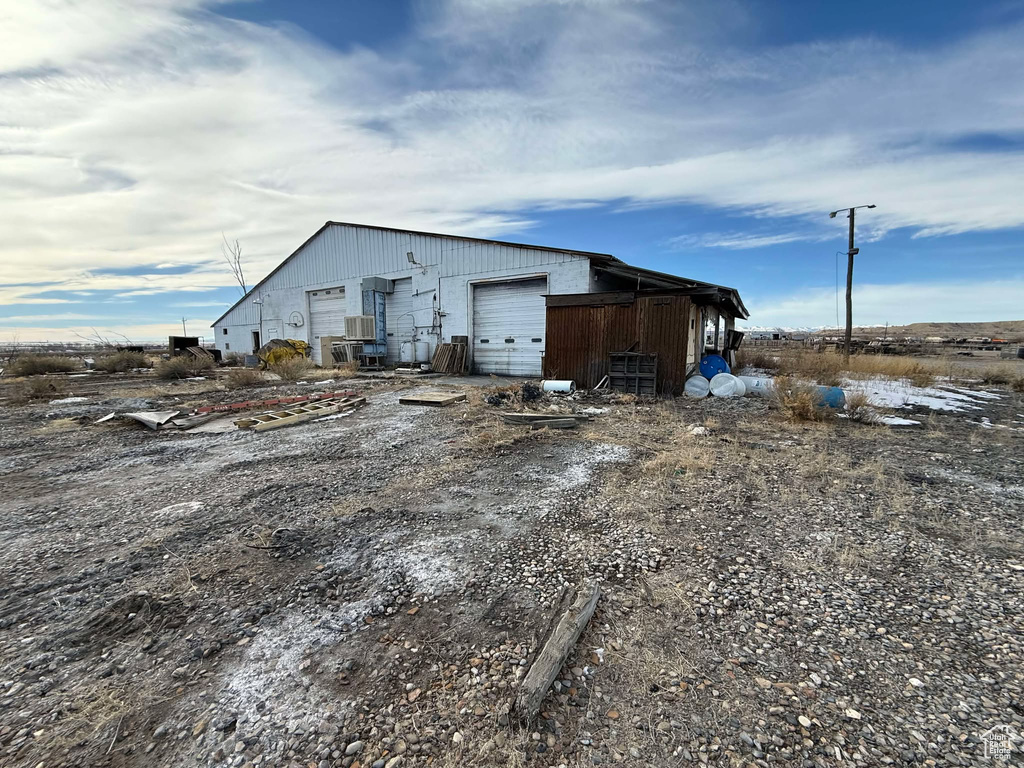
(708, 138)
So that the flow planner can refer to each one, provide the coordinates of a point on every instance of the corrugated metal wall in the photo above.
(580, 338)
(343, 252)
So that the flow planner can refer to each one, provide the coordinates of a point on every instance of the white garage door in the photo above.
(398, 317)
(508, 327)
(327, 311)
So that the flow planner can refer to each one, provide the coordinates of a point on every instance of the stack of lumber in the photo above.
(450, 358)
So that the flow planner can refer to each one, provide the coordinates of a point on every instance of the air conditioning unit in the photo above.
(360, 328)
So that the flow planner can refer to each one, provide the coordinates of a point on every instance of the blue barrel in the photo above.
(712, 365)
(833, 397)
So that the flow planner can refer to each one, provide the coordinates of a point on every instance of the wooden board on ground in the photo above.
(298, 414)
(433, 398)
(558, 647)
(540, 419)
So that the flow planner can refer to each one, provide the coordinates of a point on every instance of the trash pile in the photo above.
(715, 378)
(219, 418)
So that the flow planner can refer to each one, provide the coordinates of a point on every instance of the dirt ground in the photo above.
(370, 590)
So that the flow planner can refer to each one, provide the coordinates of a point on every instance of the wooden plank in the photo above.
(531, 418)
(555, 424)
(432, 398)
(558, 647)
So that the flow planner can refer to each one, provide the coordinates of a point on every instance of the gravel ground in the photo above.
(369, 590)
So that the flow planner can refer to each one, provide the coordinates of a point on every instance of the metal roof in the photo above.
(606, 261)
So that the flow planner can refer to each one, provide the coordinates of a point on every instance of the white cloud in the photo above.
(47, 318)
(736, 240)
(897, 304)
(137, 132)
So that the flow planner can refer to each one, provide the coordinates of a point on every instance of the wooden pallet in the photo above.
(433, 398)
(298, 414)
(450, 358)
(633, 372)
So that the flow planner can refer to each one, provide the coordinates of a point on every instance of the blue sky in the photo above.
(709, 139)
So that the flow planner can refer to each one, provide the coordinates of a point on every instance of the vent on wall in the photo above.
(360, 328)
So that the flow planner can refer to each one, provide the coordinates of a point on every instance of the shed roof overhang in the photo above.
(702, 293)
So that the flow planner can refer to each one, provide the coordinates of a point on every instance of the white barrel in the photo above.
(556, 385)
(422, 351)
(723, 385)
(741, 388)
(756, 385)
(697, 386)
(406, 352)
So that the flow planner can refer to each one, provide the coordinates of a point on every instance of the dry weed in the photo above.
(38, 389)
(239, 378)
(56, 425)
(349, 369)
(184, 367)
(799, 401)
(292, 368)
(858, 408)
(829, 368)
(758, 358)
(34, 364)
(120, 362)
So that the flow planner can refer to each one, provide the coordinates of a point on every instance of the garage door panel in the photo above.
(327, 311)
(508, 327)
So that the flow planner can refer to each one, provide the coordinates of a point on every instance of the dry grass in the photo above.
(349, 369)
(858, 408)
(1003, 374)
(37, 389)
(757, 357)
(241, 378)
(184, 367)
(119, 362)
(799, 401)
(56, 425)
(292, 368)
(33, 364)
(829, 368)
(684, 456)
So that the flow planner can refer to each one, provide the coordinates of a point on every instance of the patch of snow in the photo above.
(64, 400)
(896, 421)
(335, 416)
(900, 393)
(592, 411)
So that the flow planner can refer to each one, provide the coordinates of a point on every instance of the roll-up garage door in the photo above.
(327, 311)
(398, 317)
(508, 327)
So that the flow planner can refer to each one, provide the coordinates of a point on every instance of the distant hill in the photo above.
(1012, 330)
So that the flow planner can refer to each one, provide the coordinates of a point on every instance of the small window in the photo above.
(485, 341)
(225, 331)
(535, 341)
(510, 341)
(227, 346)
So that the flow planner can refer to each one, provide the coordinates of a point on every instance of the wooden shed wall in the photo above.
(580, 338)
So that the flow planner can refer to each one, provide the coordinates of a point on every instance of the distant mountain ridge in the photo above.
(1012, 330)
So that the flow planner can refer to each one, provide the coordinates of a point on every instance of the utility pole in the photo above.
(849, 278)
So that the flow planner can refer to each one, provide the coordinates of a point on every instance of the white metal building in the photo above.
(435, 286)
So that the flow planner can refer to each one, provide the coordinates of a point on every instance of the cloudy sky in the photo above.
(709, 139)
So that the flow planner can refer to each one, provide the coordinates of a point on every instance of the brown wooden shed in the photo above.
(585, 328)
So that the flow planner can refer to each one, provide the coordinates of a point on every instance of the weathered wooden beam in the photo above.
(558, 647)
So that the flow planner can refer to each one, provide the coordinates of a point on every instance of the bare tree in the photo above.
(232, 253)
